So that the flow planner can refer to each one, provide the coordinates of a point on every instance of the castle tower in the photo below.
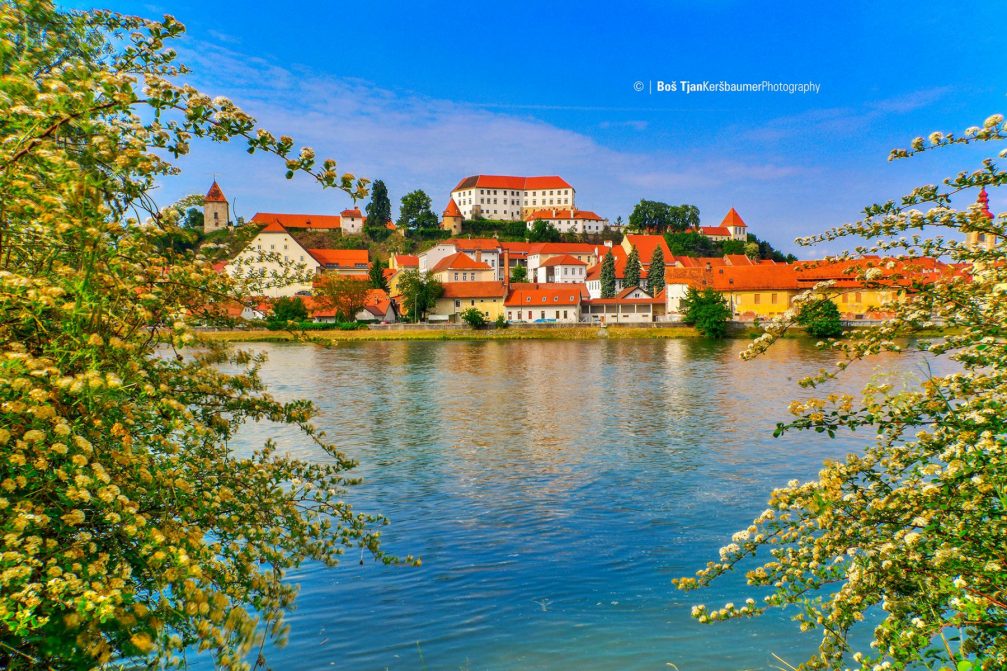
(451, 219)
(215, 209)
(981, 239)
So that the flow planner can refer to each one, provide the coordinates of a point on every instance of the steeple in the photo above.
(982, 239)
(215, 209)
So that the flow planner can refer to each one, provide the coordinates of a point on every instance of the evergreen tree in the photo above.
(377, 275)
(632, 278)
(608, 276)
(655, 277)
(379, 212)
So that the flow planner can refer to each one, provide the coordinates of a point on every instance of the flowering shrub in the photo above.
(910, 533)
(130, 529)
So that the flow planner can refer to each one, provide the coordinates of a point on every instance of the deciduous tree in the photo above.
(415, 213)
(346, 294)
(132, 530)
(902, 541)
(707, 310)
(420, 292)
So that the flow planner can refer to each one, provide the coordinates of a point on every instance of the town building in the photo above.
(632, 305)
(732, 227)
(569, 220)
(487, 297)
(533, 302)
(563, 269)
(216, 209)
(460, 267)
(274, 264)
(510, 198)
(483, 250)
(451, 218)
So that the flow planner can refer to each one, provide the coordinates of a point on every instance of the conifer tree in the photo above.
(377, 274)
(632, 278)
(608, 276)
(379, 212)
(655, 277)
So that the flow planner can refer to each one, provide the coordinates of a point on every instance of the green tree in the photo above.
(691, 243)
(379, 213)
(345, 294)
(632, 276)
(501, 322)
(651, 216)
(420, 292)
(707, 310)
(820, 318)
(608, 275)
(752, 250)
(376, 274)
(543, 231)
(289, 310)
(519, 274)
(415, 214)
(894, 555)
(655, 275)
(132, 530)
(474, 318)
(733, 247)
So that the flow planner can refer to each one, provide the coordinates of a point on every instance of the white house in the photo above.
(563, 269)
(270, 260)
(533, 302)
(569, 220)
(481, 250)
(510, 198)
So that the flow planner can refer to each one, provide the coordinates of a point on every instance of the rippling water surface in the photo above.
(553, 489)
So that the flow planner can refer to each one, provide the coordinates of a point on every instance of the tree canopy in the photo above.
(651, 216)
(707, 310)
(543, 231)
(894, 555)
(633, 269)
(420, 292)
(379, 213)
(132, 530)
(608, 275)
(655, 273)
(415, 214)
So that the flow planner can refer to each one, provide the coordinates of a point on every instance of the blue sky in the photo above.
(421, 94)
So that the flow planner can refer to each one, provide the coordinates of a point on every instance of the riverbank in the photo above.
(513, 333)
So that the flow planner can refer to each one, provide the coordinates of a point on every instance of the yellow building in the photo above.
(487, 297)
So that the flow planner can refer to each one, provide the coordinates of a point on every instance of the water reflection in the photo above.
(553, 489)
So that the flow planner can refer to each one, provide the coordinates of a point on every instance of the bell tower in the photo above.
(981, 239)
(215, 209)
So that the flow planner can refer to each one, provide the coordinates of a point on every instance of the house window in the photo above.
(858, 297)
(564, 314)
(543, 314)
(772, 299)
(458, 303)
(757, 298)
(456, 277)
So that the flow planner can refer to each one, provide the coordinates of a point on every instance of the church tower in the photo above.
(451, 220)
(981, 239)
(215, 209)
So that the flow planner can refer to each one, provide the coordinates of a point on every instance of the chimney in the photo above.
(506, 270)
(479, 255)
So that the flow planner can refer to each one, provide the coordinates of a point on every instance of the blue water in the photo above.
(553, 490)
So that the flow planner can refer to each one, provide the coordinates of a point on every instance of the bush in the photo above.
(821, 319)
(707, 311)
(289, 310)
(474, 318)
(501, 322)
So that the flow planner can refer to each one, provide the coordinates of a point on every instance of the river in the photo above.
(553, 489)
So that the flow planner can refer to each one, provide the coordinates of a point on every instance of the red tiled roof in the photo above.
(311, 221)
(274, 227)
(407, 261)
(738, 260)
(646, 244)
(459, 261)
(732, 218)
(533, 294)
(452, 209)
(516, 183)
(473, 289)
(563, 214)
(741, 278)
(622, 298)
(564, 260)
(214, 195)
(562, 248)
(342, 258)
(718, 231)
(355, 213)
(473, 244)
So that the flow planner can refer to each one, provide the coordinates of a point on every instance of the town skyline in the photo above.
(793, 163)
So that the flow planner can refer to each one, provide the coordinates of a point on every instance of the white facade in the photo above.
(510, 204)
(270, 257)
(561, 274)
(430, 258)
(573, 222)
(564, 314)
(351, 221)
